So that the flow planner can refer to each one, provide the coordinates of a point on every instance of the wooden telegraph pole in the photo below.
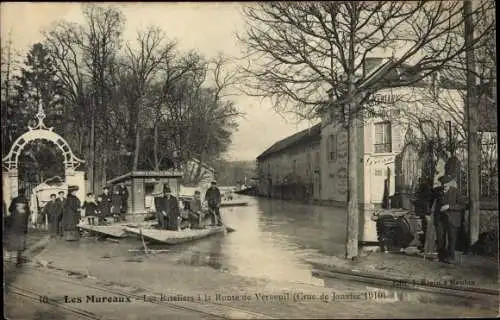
(472, 136)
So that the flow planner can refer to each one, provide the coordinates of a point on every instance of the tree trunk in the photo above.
(155, 148)
(135, 164)
(352, 190)
(352, 153)
(91, 163)
(472, 143)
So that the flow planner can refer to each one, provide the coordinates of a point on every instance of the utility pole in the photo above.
(472, 136)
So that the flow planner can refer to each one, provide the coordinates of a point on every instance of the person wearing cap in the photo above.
(194, 212)
(213, 198)
(71, 215)
(51, 211)
(105, 204)
(17, 225)
(448, 208)
(167, 210)
(124, 200)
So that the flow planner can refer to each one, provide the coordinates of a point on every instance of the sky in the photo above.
(208, 27)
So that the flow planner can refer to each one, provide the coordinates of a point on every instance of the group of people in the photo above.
(63, 214)
(108, 204)
(170, 217)
(444, 217)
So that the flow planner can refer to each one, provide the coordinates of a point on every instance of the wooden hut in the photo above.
(142, 185)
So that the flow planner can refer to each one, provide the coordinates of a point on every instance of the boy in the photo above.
(90, 207)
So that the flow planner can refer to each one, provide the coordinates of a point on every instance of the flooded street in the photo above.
(270, 241)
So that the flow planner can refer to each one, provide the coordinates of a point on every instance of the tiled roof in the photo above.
(308, 135)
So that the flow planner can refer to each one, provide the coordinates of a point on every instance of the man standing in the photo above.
(448, 219)
(213, 198)
(61, 203)
(72, 215)
(124, 201)
(167, 210)
(17, 226)
(116, 204)
(106, 202)
(51, 211)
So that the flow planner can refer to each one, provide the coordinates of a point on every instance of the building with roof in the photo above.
(318, 156)
(289, 169)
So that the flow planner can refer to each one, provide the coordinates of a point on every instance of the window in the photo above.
(332, 147)
(383, 139)
(294, 168)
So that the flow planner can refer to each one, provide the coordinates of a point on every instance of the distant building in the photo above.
(289, 169)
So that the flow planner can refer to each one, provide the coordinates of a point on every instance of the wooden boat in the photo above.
(233, 203)
(113, 230)
(175, 237)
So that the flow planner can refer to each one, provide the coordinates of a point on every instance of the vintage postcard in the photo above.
(237, 160)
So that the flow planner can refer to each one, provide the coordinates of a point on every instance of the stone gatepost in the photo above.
(10, 185)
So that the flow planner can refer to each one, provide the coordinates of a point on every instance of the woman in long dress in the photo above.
(71, 215)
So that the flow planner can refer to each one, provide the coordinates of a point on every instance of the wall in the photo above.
(334, 173)
(280, 165)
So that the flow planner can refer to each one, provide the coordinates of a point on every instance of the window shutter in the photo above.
(396, 137)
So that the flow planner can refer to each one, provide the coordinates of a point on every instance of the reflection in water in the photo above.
(271, 238)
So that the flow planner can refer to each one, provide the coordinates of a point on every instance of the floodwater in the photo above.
(271, 240)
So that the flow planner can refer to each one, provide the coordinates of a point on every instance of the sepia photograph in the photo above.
(249, 160)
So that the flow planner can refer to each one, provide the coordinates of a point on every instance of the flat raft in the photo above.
(114, 230)
(176, 237)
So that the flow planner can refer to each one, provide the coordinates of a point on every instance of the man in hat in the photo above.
(17, 226)
(106, 202)
(213, 198)
(71, 215)
(448, 208)
(167, 210)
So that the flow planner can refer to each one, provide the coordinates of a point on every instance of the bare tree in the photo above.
(84, 55)
(298, 52)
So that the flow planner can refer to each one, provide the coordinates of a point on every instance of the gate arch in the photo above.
(39, 132)
(10, 161)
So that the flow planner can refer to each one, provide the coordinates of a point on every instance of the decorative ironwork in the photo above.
(40, 115)
(40, 132)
